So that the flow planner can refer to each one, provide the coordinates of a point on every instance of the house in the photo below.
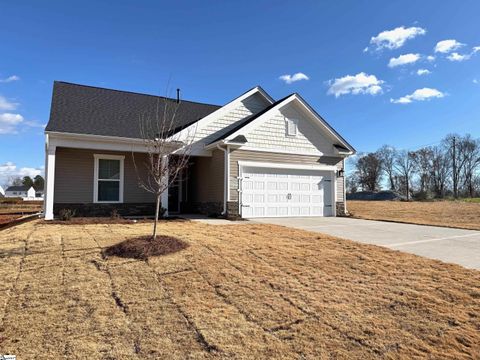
(25, 192)
(252, 157)
(2, 192)
(39, 193)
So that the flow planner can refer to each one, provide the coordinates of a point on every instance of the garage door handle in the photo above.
(289, 196)
(245, 205)
(328, 205)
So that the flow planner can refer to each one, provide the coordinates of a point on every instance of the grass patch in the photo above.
(144, 247)
(472, 200)
(455, 214)
(249, 291)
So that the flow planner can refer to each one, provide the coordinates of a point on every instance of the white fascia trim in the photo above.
(95, 177)
(286, 166)
(220, 112)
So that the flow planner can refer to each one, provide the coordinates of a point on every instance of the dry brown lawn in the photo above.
(27, 207)
(238, 291)
(455, 214)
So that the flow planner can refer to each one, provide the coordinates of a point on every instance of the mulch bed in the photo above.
(144, 247)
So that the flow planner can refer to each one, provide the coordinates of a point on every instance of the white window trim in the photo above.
(287, 123)
(95, 177)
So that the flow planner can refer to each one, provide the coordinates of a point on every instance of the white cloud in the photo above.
(394, 39)
(423, 72)
(355, 84)
(419, 95)
(403, 60)
(446, 46)
(7, 105)
(10, 79)
(475, 81)
(431, 58)
(10, 170)
(9, 122)
(476, 49)
(458, 57)
(295, 77)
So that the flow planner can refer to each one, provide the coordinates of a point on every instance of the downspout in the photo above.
(225, 179)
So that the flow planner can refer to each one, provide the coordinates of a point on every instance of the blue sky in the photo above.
(216, 50)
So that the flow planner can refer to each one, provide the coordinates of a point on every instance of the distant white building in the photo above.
(21, 191)
(2, 192)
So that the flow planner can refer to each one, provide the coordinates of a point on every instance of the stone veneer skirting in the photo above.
(92, 209)
(341, 208)
(208, 208)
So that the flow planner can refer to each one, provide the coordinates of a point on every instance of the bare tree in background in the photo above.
(470, 154)
(369, 171)
(440, 170)
(423, 160)
(167, 148)
(387, 155)
(405, 167)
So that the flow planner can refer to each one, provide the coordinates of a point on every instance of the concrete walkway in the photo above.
(450, 245)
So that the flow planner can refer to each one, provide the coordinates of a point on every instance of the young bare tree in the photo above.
(167, 146)
(405, 167)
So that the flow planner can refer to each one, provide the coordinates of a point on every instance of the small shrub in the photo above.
(114, 214)
(66, 214)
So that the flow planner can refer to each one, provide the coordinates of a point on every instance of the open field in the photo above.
(238, 291)
(456, 214)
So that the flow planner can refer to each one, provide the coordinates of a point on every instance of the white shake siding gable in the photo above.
(272, 134)
(248, 107)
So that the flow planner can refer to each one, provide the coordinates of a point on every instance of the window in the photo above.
(108, 182)
(292, 127)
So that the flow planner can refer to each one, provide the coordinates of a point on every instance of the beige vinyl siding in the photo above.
(74, 179)
(208, 178)
(260, 156)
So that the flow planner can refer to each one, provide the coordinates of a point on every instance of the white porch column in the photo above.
(164, 196)
(50, 181)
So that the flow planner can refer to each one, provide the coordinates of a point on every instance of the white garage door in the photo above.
(272, 192)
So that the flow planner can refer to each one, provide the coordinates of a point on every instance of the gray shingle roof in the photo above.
(82, 109)
(17, 188)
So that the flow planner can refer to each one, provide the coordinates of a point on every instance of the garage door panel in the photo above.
(285, 192)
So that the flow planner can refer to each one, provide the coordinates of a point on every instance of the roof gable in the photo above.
(313, 116)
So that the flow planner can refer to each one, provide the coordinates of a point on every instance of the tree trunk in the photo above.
(408, 188)
(392, 183)
(157, 211)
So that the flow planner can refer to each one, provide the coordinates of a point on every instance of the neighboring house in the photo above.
(25, 192)
(253, 157)
(39, 193)
(2, 192)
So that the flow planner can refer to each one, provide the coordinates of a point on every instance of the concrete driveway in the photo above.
(450, 245)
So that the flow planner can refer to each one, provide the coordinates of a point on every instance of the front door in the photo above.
(174, 195)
